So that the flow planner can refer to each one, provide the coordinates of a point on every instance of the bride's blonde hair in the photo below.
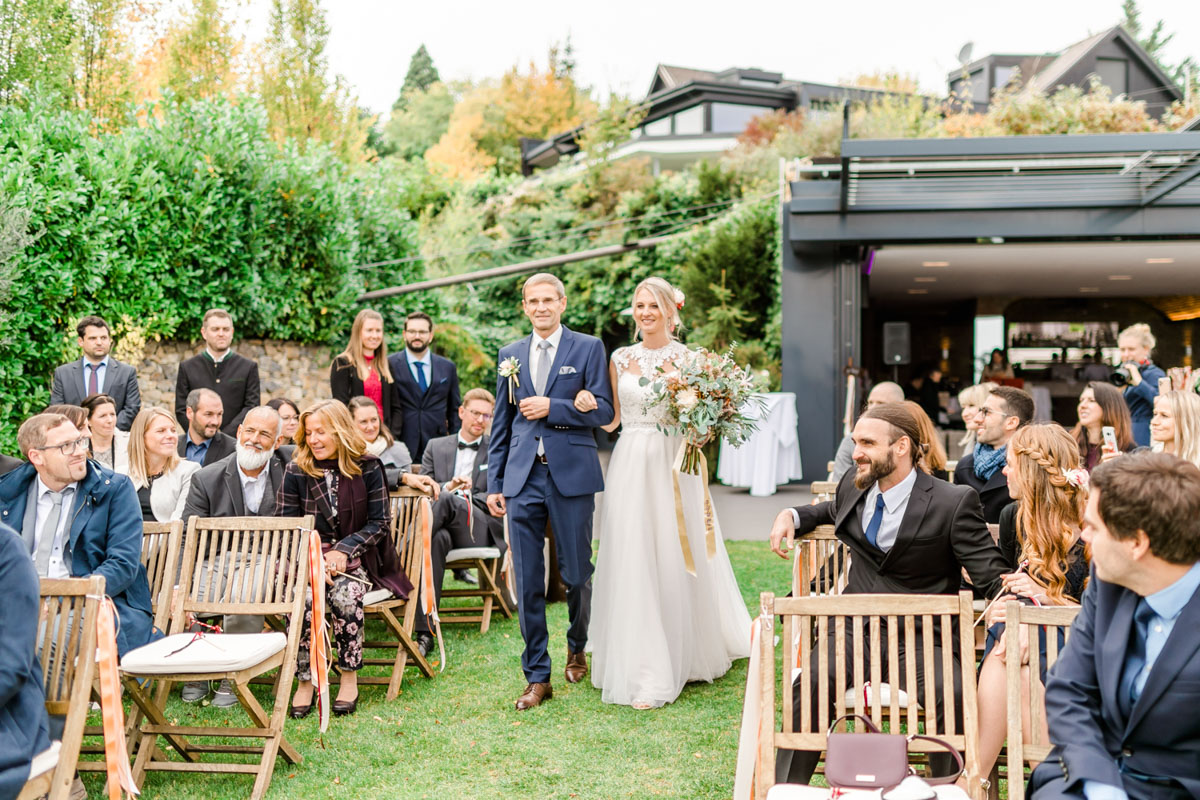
(665, 295)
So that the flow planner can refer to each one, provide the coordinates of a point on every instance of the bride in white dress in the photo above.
(654, 627)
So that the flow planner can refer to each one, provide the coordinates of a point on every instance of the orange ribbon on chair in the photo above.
(318, 659)
(428, 599)
(116, 757)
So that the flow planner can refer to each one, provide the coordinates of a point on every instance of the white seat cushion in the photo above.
(376, 596)
(463, 553)
(979, 605)
(212, 652)
(45, 761)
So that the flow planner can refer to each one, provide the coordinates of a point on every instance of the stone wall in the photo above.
(299, 372)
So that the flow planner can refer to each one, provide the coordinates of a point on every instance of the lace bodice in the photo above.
(636, 411)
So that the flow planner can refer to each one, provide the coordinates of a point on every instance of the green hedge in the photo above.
(193, 206)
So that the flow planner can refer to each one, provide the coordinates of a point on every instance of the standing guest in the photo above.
(970, 400)
(8, 464)
(233, 377)
(162, 479)
(929, 395)
(205, 442)
(362, 369)
(1101, 406)
(24, 726)
(1045, 556)
(1135, 344)
(1120, 700)
(77, 519)
(882, 392)
(380, 443)
(426, 388)
(109, 445)
(98, 372)
(1176, 424)
(289, 412)
(933, 457)
(998, 368)
(1004, 410)
(333, 478)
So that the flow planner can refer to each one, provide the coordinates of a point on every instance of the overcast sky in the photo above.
(619, 42)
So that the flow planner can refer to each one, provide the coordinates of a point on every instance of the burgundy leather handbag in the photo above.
(873, 759)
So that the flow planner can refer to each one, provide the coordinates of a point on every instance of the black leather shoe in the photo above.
(465, 576)
(424, 642)
(342, 708)
(300, 712)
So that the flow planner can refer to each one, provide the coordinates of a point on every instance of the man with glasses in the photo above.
(426, 388)
(1004, 410)
(77, 518)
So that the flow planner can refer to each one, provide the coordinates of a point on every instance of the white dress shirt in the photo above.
(426, 359)
(535, 355)
(464, 459)
(101, 372)
(895, 501)
(58, 567)
(253, 489)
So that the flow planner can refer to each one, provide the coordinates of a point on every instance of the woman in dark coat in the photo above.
(362, 368)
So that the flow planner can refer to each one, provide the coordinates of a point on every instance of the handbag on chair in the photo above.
(876, 760)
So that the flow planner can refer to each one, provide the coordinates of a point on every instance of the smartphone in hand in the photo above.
(1164, 385)
(1110, 438)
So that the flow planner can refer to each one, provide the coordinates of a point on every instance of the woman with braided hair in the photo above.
(1039, 538)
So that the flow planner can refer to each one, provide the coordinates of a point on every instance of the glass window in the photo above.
(1004, 75)
(660, 127)
(979, 87)
(733, 118)
(1113, 74)
(690, 120)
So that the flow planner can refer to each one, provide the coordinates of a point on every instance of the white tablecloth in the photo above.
(772, 454)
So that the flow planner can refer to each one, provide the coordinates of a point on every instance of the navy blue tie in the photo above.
(876, 521)
(424, 384)
(1135, 658)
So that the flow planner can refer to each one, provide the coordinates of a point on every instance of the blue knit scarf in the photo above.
(988, 459)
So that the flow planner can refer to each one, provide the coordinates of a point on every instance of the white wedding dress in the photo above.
(654, 627)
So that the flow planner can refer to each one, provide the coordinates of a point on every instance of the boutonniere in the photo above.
(511, 368)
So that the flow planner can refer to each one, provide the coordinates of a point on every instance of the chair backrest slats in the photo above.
(406, 529)
(161, 546)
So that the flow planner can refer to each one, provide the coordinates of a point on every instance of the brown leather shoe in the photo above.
(533, 696)
(576, 667)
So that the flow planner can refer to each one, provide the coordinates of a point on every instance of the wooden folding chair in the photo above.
(231, 565)
(821, 563)
(486, 563)
(855, 621)
(822, 490)
(67, 653)
(1025, 693)
(41, 773)
(399, 615)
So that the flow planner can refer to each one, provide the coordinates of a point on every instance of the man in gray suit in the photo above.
(239, 485)
(97, 372)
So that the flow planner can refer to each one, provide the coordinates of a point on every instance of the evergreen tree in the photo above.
(421, 75)
(1154, 41)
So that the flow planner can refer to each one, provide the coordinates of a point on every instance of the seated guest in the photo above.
(205, 442)
(77, 519)
(289, 412)
(332, 477)
(98, 372)
(970, 400)
(380, 443)
(459, 463)
(109, 445)
(1135, 343)
(888, 502)
(24, 726)
(1176, 424)
(1120, 700)
(1045, 557)
(161, 477)
(1101, 406)
(1004, 410)
(8, 464)
(933, 457)
(362, 370)
(239, 485)
(883, 392)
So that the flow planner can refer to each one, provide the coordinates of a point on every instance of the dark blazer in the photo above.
(942, 533)
(420, 416)
(8, 464)
(438, 461)
(120, 383)
(993, 493)
(344, 384)
(221, 445)
(1140, 400)
(106, 539)
(235, 379)
(1160, 737)
(216, 490)
(24, 726)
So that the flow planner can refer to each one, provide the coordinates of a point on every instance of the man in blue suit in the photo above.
(542, 464)
(426, 399)
(1121, 701)
(77, 518)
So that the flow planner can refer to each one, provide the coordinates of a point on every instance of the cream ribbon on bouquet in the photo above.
(318, 646)
(116, 761)
(690, 460)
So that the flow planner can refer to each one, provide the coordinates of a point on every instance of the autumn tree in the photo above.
(420, 122)
(37, 39)
(202, 53)
(103, 78)
(887, 80)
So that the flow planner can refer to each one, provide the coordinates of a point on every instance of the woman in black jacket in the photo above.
(362, 368)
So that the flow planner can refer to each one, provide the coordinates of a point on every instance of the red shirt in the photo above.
(373, 387)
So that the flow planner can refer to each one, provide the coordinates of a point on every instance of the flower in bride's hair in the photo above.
(1077, 477)
(687, 399)
(679, 298)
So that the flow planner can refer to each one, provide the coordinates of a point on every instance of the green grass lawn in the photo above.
(458, 736)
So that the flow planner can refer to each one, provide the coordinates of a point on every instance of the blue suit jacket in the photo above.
(106, 539)
(568, 436)
(1161, 735)
(24, 727)
(420, 416)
